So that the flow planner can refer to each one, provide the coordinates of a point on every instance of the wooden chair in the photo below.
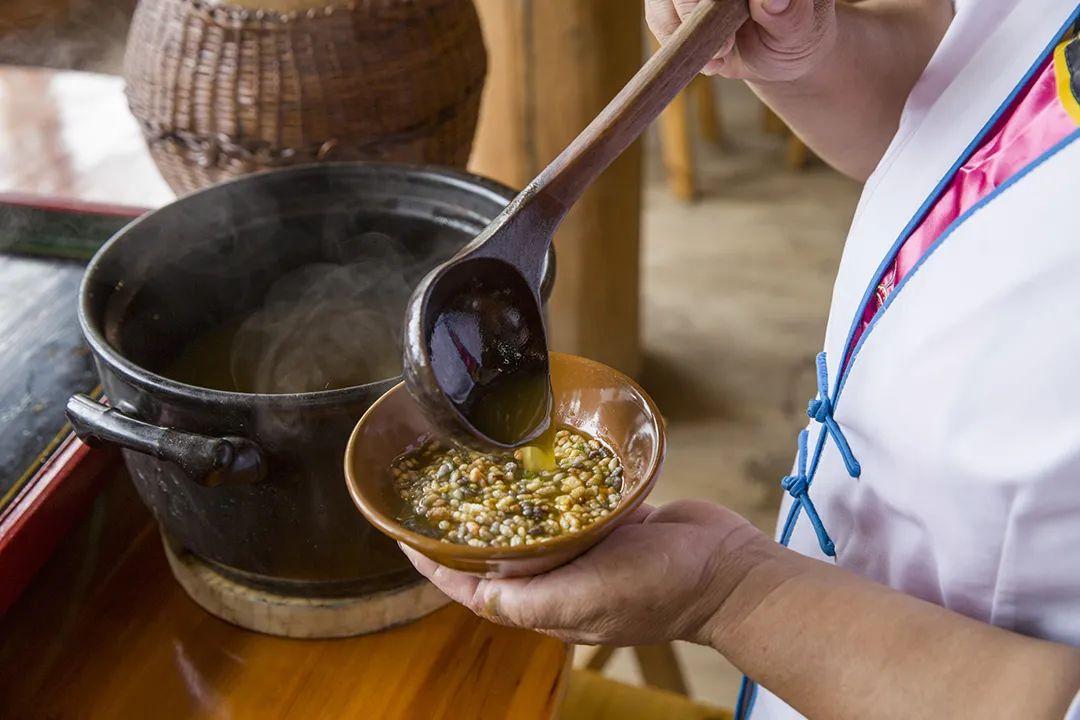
(798, 155)
(658, 664)
(677, 135)
(591, 696)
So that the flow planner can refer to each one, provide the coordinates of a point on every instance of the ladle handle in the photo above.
(660, 79)
(521, 234)
(207, 460)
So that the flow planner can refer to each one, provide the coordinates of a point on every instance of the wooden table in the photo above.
(104, 631)
(70, 135)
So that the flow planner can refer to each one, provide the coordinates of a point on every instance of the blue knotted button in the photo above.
(820, 409)
(798, 486)
(795, 484)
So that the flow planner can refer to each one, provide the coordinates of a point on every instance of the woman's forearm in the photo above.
(835, 645)
(847, 108)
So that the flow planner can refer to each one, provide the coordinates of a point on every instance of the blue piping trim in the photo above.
(742, 705)
(741, 712)
(920, 214)
(1034, 164)
(747, 695)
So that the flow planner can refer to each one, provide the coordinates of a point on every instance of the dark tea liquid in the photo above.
(207, 361)
(491, 366)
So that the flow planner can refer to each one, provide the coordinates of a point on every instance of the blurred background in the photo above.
(702, 263)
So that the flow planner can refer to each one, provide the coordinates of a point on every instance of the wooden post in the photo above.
(552, 66)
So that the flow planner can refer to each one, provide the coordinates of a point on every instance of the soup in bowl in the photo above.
(607, 444)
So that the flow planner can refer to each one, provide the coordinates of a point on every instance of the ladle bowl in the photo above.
(587, 396)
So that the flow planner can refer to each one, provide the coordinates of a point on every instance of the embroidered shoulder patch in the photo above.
(1067, 70)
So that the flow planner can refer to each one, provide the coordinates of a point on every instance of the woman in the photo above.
(932, 519)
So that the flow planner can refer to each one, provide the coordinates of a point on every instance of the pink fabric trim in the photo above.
(1035, 122)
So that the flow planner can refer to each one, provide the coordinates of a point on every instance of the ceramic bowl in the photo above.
(588, 396)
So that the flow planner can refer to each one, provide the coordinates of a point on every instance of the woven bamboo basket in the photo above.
(221, 90)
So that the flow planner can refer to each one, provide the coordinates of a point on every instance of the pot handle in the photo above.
(209, 461)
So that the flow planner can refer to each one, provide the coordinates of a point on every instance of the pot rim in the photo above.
(146, 379)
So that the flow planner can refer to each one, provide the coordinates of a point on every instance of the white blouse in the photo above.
(962, 404)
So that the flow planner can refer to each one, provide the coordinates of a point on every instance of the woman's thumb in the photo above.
(787, 22)
(775, 7)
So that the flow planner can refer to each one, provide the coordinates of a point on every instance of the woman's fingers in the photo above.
(719, 60)
(640, 515)
(661, 18)
(649, 581)
(458, 586)
(536, 602)
(514, 601)
(683, 8)
(780, 42)
(692, 512)
(665, 16)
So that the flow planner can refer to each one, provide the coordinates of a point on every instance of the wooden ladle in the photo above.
(475, 346)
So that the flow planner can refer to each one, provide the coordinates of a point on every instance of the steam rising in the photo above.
(301, 304)
(327, 325)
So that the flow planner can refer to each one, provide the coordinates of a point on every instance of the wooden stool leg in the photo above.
(660, 667)
(708, 120)
(676, 144)
(600, 658)
(771, 122)
(677, 147)
(798, 155)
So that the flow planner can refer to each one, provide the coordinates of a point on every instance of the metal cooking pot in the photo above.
(250, 482)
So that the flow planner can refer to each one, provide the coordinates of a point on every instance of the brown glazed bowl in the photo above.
(588, 396)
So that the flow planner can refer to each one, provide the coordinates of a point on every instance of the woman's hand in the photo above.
(783, 40)
(837, 73)
(830, 643)
(659, 576)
